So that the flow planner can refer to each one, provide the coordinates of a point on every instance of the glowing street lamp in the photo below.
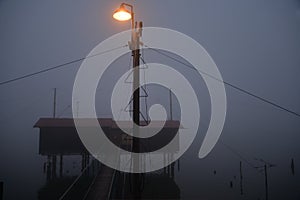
(122, 14)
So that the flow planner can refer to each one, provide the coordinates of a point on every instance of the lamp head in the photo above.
(122, 14)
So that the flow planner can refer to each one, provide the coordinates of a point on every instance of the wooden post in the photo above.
(171, 109)
(241, 178)
(136, 110)
(169, 166)
(82, 162)
(77, 108)
(54, 103)
(165, 168)
(1, 190)
(54, 166)
(266, 182)
(172, 171)
(61, 166)
(293, 167)
(48, 168)
(231, 184)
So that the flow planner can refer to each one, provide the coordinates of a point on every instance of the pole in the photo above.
(61, 166)
(54, 103)
(171, 109)
(266, 182)
(1, 190)
(53, 167)
(77, 108)
(48, 167)
(136, 110)
(293, 167)
(136, 96)
(241, 178)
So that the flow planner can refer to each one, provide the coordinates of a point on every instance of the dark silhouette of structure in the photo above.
(58, 138)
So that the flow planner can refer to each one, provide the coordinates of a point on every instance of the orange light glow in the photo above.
(122, 14)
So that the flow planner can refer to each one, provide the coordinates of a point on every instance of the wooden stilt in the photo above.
(1, 190)
(48, 167)
(61, 166)
(53, 166)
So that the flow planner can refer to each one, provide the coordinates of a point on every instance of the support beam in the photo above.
(61, 166)
(172, 170)
(82, 162)
(53, 167)
(48, 168)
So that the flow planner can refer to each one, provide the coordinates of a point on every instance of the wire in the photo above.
(227, 83)
(58, 66)
(238, 154)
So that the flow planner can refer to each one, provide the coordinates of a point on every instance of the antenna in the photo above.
(77, 108)
(171, 109)
(265, 169)
(241, 178)
(54, 103)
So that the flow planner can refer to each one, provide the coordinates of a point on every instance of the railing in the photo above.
(120, 185)
(82, 184)
(112, 185)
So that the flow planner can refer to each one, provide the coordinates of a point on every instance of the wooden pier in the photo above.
(100, 188)
(59, 138)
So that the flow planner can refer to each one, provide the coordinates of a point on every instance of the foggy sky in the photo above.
(255, 44)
